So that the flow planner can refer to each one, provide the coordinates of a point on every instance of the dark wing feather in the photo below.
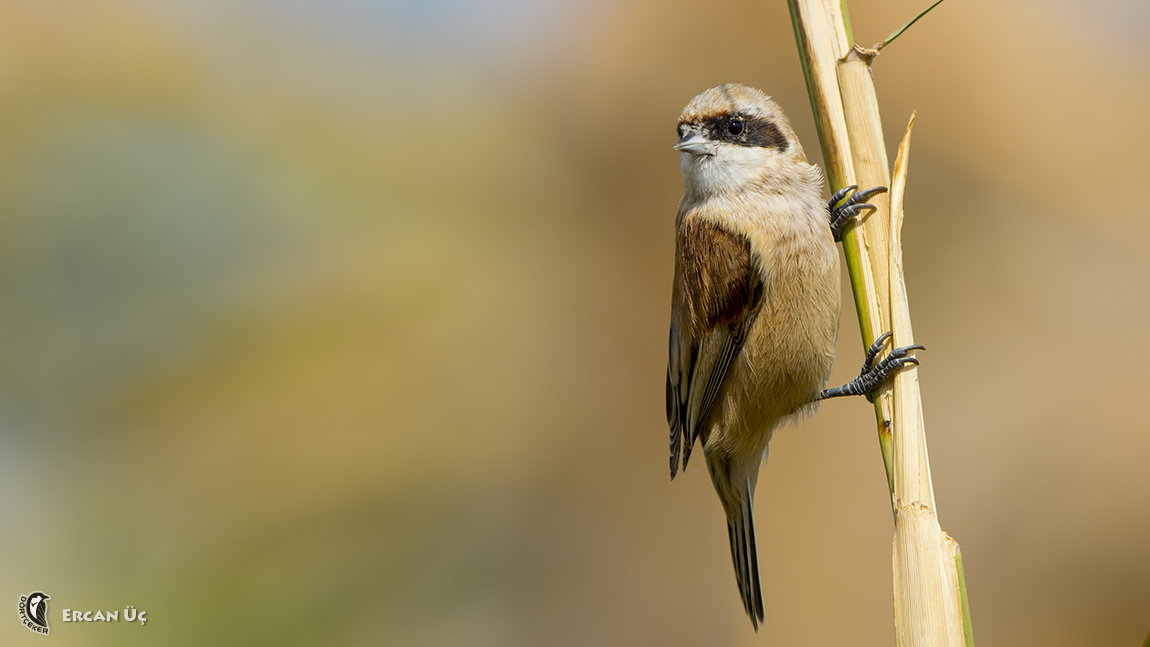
(717, 292)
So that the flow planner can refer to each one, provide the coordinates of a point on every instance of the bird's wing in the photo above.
(716, 295)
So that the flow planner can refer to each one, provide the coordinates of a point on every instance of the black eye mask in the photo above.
(744, 130)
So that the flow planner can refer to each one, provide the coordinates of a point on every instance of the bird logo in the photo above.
(34, 611)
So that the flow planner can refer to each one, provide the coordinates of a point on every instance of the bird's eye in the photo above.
(682, 130)
(735, 127)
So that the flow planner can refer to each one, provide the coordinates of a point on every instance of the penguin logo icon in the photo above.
(34, 612)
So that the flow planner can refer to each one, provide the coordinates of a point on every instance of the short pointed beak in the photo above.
(695, 144)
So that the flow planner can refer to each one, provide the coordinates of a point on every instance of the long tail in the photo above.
(745, 555)
(736, 491)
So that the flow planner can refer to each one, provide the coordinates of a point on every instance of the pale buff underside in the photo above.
(787, 357)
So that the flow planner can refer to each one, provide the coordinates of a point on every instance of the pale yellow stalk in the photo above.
(930, 595)
(928, 599)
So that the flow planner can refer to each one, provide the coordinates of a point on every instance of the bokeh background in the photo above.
(344, 323)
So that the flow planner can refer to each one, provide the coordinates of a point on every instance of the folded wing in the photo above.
(717, 292)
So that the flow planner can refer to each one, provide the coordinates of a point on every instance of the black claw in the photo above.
(879, 342)
(874, 350)
(851, 207)
(846, 212)
(873, 375)
(839, 195)
(890, 364)
(863, 196)
(901, 351)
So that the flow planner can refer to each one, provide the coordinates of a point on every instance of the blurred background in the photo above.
(344, 323)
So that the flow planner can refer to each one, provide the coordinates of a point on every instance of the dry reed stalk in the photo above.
(821, 45)
(929, 596)
(931, 607)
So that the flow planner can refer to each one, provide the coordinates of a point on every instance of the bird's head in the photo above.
(733, 137)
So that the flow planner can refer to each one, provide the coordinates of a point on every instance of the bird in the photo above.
(37, 609)
(754, 301)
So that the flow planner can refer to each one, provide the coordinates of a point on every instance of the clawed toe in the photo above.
(873, 374)
(840, 214)
(903, 350)
(896, 359)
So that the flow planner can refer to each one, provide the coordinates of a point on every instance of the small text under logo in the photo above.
(34, 612)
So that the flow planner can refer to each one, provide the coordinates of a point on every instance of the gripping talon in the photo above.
(841, 214)
(901, 351)
(874, 350)
(846, 212)
(863, 196)
(839, 195)
(873, 375)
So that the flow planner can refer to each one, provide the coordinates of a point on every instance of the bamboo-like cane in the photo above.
(931, 607)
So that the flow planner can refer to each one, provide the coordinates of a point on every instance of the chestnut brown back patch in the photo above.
(721, 282)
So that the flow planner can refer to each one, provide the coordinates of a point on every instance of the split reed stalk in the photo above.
(930, 600)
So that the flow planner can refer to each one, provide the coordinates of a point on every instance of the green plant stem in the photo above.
(840, 173)
(967, 627)
(898, 32)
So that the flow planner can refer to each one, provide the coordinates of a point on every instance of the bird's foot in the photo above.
(842, 213)
(872, 374)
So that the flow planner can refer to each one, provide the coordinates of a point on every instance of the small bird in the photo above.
(755, 300)
(38, 608)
